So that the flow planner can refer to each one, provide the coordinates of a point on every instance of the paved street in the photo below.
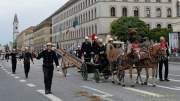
(73, 88)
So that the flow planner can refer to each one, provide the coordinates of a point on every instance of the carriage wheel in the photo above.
(84, 71)
(97, 76)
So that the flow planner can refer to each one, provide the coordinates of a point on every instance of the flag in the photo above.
(75, 22)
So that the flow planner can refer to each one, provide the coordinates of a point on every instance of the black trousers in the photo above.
(26, 68)
(14, 63)
(165, 62)
(48, 75)
(87, 58)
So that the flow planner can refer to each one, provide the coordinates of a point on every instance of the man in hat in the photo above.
(49, 56)
(164, 59)
(79, 52)
(14, 60)
(86, 49)
(101, 54)
(27, 56)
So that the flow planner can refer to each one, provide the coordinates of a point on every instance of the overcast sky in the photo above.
(30, 12)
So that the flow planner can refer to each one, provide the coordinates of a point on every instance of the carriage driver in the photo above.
(101, 54)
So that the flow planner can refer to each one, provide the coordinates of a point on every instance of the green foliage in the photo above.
(121, 26)
(156, 33)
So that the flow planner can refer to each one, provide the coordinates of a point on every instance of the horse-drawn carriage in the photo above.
(99, 70)
(123, 63)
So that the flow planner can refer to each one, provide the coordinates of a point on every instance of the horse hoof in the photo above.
(132, 85)
(154, 85)
(113, 82)
(119, 83)
(142, 83)
(145, 83)
(123, 85)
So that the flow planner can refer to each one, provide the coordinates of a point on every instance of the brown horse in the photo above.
(152, 60)
(131, 61)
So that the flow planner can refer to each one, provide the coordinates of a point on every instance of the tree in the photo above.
(124, 26)
(156, 33)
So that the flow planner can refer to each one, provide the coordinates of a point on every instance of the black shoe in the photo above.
(50, 92)
(46, 92)
(167, 80)
(161, 80)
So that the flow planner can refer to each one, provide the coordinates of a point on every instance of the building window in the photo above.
(158, 11)
(178, 8)
(92, 14)
(158, 25)
(147, 1)
(169, 26)
(158, 1)
(136, 0)
(136, 11)
(125, 0)
(169, 0)
(113, 11)
(169, 12)
(148, 12)
(124, 11)
(95, 13)
(95, 29)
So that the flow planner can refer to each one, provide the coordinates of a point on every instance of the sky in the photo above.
(30, 13)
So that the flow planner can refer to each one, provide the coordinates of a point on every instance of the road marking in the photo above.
(161, 86)
(144, 92)
(31, 85)
(174, 75)
(151, 78)
(12, 75)
(22, 80)
(16, 77)
(170, 88)
(50, 96)
(104, 96)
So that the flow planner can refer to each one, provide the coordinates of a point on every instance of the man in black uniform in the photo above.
(14, 60)
(101, 54)
(7, 56)
(49, 56)
(27, 56)
(86, 50)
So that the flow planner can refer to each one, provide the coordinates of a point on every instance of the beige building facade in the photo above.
(41, 35)
(95, 16)
(23, 39)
